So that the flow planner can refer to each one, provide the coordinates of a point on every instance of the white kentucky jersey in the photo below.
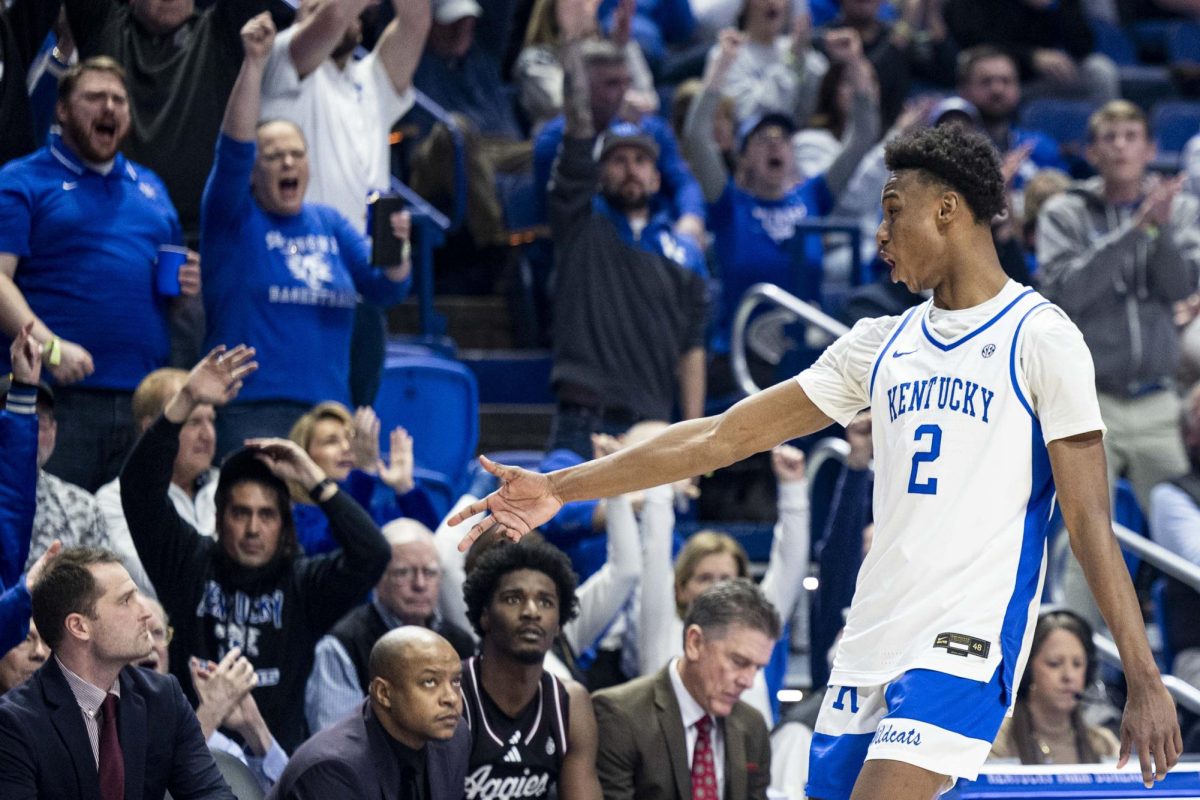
(963, 498)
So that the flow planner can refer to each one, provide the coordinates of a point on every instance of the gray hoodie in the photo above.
(1118, 283)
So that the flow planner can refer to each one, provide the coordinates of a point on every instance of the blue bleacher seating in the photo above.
(1064, 121)
(437, 401)
(1113, 42)
(1173, 123)
(1183, 42)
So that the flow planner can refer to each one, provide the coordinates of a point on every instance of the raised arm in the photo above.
(403, 41)
(241, 111)
(319, 31)
(698, 143)
(684, 450)
(18, 443)
(864, 126)
(1149, 725)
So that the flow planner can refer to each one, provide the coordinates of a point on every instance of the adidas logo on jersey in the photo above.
(513, 756)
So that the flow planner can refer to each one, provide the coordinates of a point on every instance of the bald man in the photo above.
(407, 594)
(405, 742)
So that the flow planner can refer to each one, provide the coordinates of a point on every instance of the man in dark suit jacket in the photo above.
(406, 741)
(87, 725)
(729, 633)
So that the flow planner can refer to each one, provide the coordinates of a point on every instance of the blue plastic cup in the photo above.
(166, 272)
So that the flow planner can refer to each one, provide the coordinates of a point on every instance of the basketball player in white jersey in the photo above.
(984, 408)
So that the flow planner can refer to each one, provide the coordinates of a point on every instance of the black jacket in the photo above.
(275, 613)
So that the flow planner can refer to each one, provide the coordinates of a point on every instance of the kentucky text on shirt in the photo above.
(946, 391)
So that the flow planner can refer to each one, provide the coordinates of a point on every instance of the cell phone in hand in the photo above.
(386, 249)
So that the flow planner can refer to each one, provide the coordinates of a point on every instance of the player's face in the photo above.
(410, 585)
(119, 629)
(522, 618)
(908, 236)
(710, 570)
(197, 443)
(250, 524)
(422, 696)
(280, 175)
(1059, 669)
(1121, 151)
(22, 661)
(724, 665)
(329, 448)
(993, 87)
(95, 116)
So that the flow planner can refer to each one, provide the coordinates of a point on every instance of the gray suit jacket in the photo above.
(353, 759)
(643, 748)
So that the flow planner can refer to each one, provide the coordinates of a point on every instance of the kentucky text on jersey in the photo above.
(941, 392)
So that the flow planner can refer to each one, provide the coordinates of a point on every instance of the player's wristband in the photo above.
(52, 352)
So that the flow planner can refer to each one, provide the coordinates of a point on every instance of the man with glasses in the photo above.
(407, 594)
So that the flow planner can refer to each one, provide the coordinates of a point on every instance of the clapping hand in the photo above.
(397, 471)
(26, 356)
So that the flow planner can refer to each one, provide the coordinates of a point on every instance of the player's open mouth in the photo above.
(105, 131)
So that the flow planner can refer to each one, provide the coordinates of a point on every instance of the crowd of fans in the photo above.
(201, 180)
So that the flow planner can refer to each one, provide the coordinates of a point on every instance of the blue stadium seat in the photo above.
(1064, 121)
(1113, 42)
(1173, 123)
(1183, 42)
(437, 401)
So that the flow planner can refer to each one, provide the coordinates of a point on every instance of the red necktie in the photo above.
(112, 762)
(704, 771)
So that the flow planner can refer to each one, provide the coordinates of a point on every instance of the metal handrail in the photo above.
(1185, 694)
(769, 292)
(459, 211)
(1158, 556)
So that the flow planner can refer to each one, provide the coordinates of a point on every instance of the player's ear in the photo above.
(949, 207)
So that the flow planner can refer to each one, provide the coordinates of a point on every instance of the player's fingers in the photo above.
(1161, 759)
(1123, 753)
(476, 531)
(1144, 758)
(466, 512)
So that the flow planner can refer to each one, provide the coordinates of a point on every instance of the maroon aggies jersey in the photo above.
(514, 758)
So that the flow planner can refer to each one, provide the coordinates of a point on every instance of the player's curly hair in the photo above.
(964, 161)
(505, 557)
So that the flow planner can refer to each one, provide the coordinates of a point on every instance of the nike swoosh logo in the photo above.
(897, 353)
(69, 185)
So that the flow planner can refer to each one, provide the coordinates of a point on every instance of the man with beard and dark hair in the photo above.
(250, 588)
(532, 734)
(988, 79)
(630, 296)
(80, 232)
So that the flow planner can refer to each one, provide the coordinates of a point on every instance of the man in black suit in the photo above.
(87, 725)
(703, 743)
(405, 742)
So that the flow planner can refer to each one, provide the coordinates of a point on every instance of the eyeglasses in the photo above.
(163, 635)
(402, 574)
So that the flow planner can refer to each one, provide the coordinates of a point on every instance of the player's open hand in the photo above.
(1150, 727)
(524, 500)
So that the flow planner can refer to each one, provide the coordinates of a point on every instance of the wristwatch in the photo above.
(317, 493)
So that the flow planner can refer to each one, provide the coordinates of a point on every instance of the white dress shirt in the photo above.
(691, 712)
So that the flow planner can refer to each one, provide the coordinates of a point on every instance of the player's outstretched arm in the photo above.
(526, 499)
(1150, 725)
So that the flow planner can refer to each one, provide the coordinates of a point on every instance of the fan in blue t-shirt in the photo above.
(756, 216)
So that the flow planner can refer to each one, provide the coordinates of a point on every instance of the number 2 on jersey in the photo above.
(934, 435)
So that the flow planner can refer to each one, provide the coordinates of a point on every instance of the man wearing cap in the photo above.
(754, 216)
(630, 296)
(250, 588)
